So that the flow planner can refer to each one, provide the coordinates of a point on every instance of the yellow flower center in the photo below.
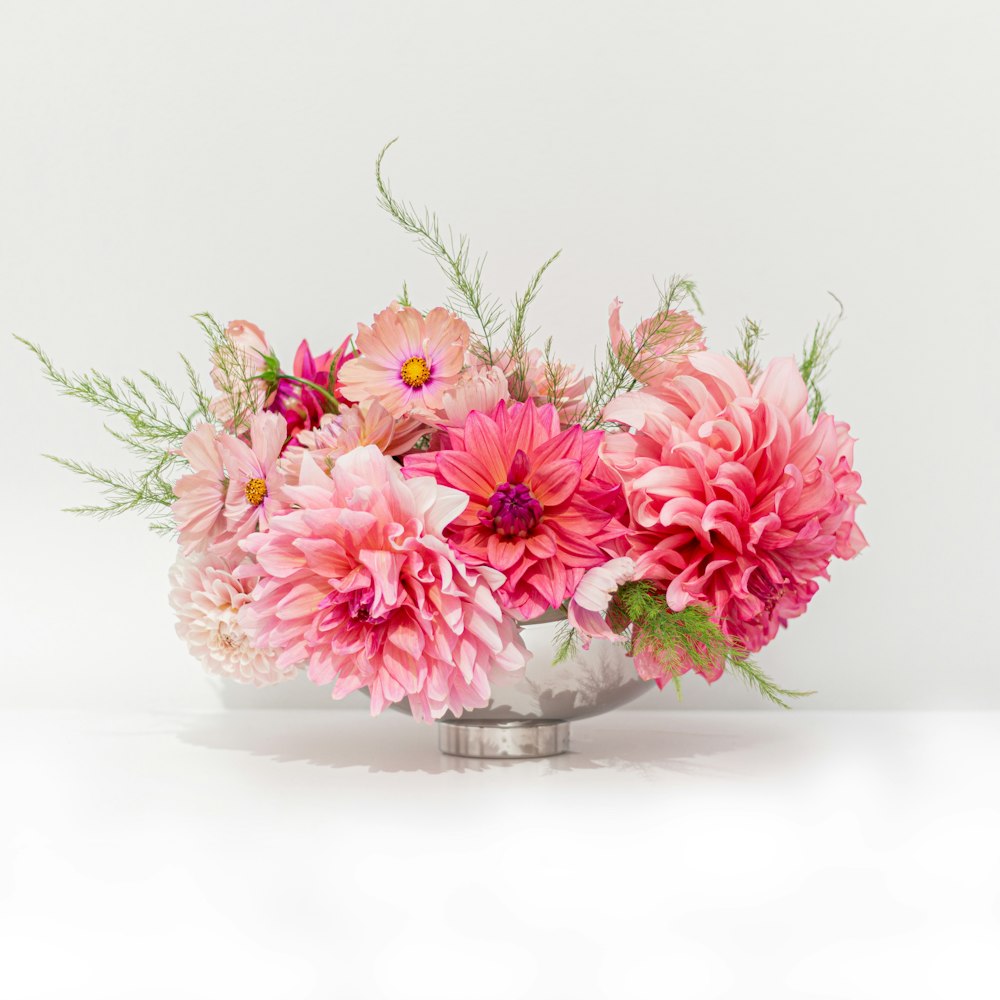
(256, 490)
(415, 372)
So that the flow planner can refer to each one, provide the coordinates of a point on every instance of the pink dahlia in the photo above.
(738, 499)
(210, 602)
(657, 349)
(353, 427)
(541, 508)
(253, 493)
(199, 508)
(407, 360)
(480, 388)
(302, 404)
(357, 579)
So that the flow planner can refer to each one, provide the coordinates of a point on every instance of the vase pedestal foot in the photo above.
(521, 738)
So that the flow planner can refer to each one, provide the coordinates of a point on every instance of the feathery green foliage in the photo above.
(637, 358)
(465, 276)
(566, 643)
(816, 354)
(516, 345)
(238, 383)
(151, 421)
(692, 634)
(747, 355)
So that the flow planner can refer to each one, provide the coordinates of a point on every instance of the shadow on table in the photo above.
(316, 739)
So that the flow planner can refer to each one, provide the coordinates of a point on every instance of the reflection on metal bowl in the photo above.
(530, 717)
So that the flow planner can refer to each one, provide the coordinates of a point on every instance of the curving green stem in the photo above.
(325, 393)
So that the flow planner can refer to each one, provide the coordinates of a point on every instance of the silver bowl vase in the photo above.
(530, 717)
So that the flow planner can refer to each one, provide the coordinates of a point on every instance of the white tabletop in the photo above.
(287, 854)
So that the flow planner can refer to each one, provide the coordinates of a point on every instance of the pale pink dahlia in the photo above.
(253, 493)
(357, 579)
(480, 388)
(353, 427)
(738, 499)
(541, 509)
(198, 510)
(210, 602)
(657, 349)
(407, 360)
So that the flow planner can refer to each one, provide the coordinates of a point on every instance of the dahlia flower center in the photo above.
(255, 491)
(765, 591)
(415, 372)
(512, 511)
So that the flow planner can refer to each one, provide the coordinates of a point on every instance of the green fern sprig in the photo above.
(464, 274)
(747, 355)
(636, 359)
(692, 635)
(816, 355)
(152, 421)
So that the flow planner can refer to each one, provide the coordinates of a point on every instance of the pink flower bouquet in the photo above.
(386, 513)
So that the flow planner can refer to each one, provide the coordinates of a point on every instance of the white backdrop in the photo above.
(160, 159)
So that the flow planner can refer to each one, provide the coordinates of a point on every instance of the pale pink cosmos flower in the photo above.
(588, 607)
(657, 349)
(253, 494)
(354, 427)
(407, 360)
(356, 578)
(209, 600)
(739, 500)
(198, 510)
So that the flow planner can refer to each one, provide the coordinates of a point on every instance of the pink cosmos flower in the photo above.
(738, 499)
(201, 494)
(302, 406)
(253, 351)
(253, 494)
(358, 580)
(407, 360)
(588, 607)
(541, 509)
(209, 601)
(657, 349)
(354, 427)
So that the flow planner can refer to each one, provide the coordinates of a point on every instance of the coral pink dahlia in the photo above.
(357, 579)
(739, 500)
(407, 360)
(541, 508)
(210, 601)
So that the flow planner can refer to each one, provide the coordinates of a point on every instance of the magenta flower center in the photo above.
(512, 511)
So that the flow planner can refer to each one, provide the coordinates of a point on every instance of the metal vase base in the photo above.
(498, 740)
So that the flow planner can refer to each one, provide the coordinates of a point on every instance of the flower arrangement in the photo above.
(387, 513)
